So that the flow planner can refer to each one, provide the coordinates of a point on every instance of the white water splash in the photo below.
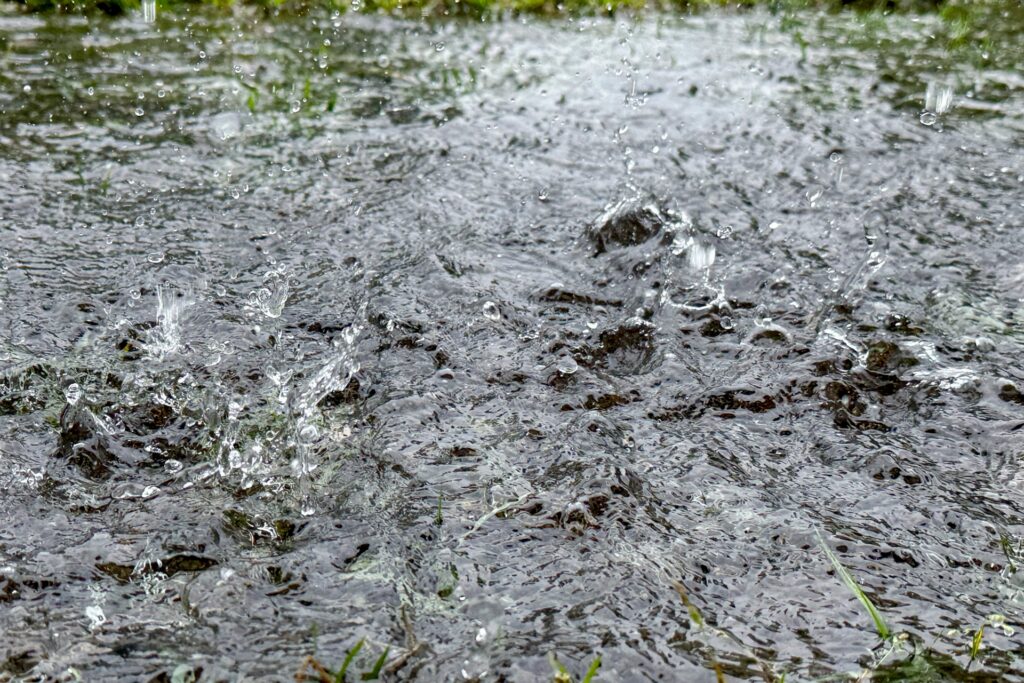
(165, 338)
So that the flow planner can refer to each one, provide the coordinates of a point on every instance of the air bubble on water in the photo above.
(491, 311)
(139, 111)
(928, 118)
(225, 125)
(724, 232)
(567, 365)
(439, 46)
(73, 394)
(835, 157)
(155, 257)
(726, 322)
(308, 433)
(172, 466)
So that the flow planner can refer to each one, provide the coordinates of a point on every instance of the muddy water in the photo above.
(487, 341)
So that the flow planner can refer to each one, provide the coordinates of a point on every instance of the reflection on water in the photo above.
(485, 341)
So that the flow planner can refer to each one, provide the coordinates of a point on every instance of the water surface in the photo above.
(482, 341)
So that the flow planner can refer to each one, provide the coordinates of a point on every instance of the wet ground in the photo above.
(487, 341)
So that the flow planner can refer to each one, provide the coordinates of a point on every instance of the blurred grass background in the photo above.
(957, 10)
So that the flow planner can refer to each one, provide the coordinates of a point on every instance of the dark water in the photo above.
(485, 341)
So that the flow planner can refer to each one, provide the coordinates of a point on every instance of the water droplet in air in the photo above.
(73, 394)
(491, 311)
(27, 88)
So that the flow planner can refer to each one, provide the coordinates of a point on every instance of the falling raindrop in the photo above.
(702, 256)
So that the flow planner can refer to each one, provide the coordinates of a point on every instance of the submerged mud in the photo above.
(488, 341)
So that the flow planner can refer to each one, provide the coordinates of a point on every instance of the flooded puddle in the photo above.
(484, 342)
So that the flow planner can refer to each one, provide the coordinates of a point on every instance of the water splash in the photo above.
(876, 234)
(165, 338)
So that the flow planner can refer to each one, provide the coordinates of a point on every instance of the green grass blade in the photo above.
(976, 642)
(592, 671)
(561, 673)
(880, 626)
(374, 673)
(349, 656)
